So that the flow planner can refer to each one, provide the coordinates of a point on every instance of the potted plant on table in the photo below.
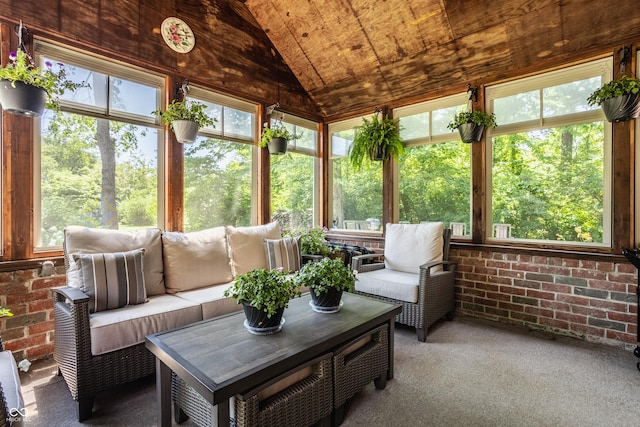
(276, 137)
(619, 99)
(471, 124)
(377, 139)
(26, 89)
(326, 279)
(264, 294)
(185, 118)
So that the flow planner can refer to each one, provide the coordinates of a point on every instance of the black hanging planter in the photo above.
(259, 323)
(327, 301)
(621, 108)
(23, 99)
(378, 153)
(278, 146)
(470, 132)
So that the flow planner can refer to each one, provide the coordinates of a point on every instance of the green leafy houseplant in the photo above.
(619, 99)
(53, 80)
(313, 242)
(266, 290)
(377, 139)
(478, 117)
(185, 110)
(276, 130)
(623, 86)
(325, 274)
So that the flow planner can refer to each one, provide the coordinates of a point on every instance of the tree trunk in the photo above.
(107, 148)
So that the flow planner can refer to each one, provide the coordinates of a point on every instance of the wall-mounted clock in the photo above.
(177, 34)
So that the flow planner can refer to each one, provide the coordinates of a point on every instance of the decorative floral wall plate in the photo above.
(177, 34)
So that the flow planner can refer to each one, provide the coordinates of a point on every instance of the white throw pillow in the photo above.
(408, 246)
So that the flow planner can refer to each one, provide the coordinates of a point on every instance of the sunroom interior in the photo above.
(541, 207)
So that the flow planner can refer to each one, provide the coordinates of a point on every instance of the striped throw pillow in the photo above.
(283, 253)
(112, 280)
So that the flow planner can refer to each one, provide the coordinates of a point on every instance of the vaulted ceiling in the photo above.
(352, 55)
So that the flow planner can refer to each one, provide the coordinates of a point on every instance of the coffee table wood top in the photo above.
(220, 358)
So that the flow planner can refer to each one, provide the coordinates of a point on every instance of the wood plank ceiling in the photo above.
(353, 55)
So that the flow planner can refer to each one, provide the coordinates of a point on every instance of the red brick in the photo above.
(48, 283)
(14, 289)
(622, 317)
(525, 267)
(573, 318)
(32, 296)
(590, 330)
(498, 264)
(607, 285)
(41, 327)
(510, 306)
(588, 264)
(589, 311)
(588, 274)
(475, 292)
(609, 305)
(497, 312)
(573, 299)
(40, 305)
(627, 268)
(621, 336)
(500, 280)
(555, 261)
(622, 278)
(537, 311)
(25, 275)
(475, 277)
(555, 323)
(498, 296)
(464, 268)
(605, 266)
(510, 273)
(555, 270)
(568, 262)
(525, 258)
(540, 260)
(485, 302)
(540, 294)
(525, 317)
(486, 270)
(512, 290)
(487, 287)
(554, 287)
(23, 343)
(555, 305)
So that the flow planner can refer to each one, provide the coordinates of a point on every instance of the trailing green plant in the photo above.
(478, 117)
(324, 274)
(622, 86)
(185, 110)
(54, 81)
(314, 242)
(276, 130)
(266, 290)
(377, 136)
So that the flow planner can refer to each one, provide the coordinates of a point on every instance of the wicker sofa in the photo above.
(100, 344)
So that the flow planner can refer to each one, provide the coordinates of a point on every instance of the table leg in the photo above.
(222, 414)
(163, 393)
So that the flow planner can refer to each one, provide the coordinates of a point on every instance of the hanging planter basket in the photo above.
(185, 130)
(277, 146)
(621, 108)
(470, 132)
(23, 99)
(378, 154)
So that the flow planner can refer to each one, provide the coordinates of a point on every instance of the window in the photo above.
(435, 172)
(218, 166)
(294, 177)
(356, 201)
(97, 159)
(550, 159)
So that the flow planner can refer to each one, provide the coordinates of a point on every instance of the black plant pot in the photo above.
(23, 99)
(259, 323)
(621, 108)
(278, 146)
(470, 132)
(378, 153)
(326, 302)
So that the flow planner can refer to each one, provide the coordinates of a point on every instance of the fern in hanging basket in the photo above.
(376, 139)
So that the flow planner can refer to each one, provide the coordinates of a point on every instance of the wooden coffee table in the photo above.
(219, 358)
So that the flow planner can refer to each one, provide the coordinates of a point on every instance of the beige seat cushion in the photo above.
(246, 246)
(116, 329)
(389, 283)
(195, 260)
(408, 246)
(212, 300)
(83, 240)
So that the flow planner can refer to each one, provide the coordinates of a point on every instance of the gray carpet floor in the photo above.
(469, 373)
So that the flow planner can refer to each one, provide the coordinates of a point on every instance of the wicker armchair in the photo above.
(12, 408)
(86, 374)
(435, 289)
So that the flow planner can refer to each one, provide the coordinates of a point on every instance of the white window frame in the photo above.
(88, 61)
(600, 67)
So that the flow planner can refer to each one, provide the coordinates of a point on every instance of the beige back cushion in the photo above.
(83, 240)
(246, 246)
(408, 246)
(196, 259)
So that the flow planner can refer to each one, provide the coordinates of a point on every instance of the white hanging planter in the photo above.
(185, 130)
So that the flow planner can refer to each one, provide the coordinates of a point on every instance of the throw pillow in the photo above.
(283, 253)
(246, 246)
(408, 246)
(112, 280)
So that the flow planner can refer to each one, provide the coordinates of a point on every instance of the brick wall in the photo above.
(592, 300)
(29, 332)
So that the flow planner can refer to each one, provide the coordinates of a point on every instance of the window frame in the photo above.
(111, 69)
(597, 68)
